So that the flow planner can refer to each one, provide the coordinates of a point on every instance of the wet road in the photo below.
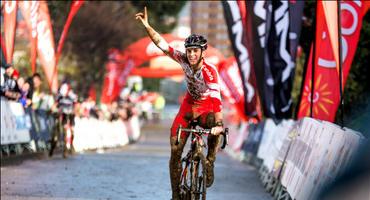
(137, 171)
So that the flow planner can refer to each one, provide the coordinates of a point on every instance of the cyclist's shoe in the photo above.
(65, 152)
(210, 174)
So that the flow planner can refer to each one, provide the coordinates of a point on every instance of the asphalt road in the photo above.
(137, 171)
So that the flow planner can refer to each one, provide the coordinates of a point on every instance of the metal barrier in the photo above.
(30, 130)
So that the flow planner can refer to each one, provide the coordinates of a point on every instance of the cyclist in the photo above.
(202, 97)
(66, 100)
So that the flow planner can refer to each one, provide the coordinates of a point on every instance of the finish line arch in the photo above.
(143, 58)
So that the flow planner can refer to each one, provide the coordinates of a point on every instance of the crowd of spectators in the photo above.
(39, 105)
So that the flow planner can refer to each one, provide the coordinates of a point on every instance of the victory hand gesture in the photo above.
(143, 17)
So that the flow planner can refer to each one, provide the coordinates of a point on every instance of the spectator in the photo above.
(9, 86)
(36, 91)
(159, 104)
(26, 95)
(20, 82)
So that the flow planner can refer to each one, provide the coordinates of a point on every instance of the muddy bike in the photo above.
(61, 135)
(193, 182)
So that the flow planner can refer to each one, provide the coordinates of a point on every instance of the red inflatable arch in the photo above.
(145, 59)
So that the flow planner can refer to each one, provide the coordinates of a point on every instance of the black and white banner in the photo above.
(235, 16)
(275, 33)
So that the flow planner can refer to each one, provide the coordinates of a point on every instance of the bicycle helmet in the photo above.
(195, 40)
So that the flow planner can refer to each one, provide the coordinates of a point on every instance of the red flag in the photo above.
(232, 86)
(110, 86)
(46, 47)
(3, 52)
(10, 18)
(92, 92)
(29, 11)
(330, 10)
(326, 79)
(74, 8)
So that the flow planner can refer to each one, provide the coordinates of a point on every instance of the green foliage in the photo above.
(151, 84)
(58, 13)
(307, 31)
(297, 84)
(357, 88)
(162, 14)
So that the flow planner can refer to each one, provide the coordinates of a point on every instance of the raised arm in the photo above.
(156, 37)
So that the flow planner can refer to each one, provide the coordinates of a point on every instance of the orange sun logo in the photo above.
(321, 98)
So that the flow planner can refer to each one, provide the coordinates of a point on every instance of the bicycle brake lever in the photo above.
(178, 134)
(226, 138)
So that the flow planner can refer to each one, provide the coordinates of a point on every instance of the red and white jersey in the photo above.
(203, 85)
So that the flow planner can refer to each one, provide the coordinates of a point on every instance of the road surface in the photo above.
(137, 171)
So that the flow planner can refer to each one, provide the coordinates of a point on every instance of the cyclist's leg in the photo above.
(64, 124)
(176, 150)
(54, 136)
(72, 125)
(213, 142)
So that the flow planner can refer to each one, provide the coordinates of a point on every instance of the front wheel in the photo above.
(199, 178)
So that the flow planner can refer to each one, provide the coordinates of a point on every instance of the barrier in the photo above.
(237, 137)
(299, 158)
(317, 155)
(252, 142)
(91, 133)
(277, 146)
(133, 128)
(15, 123)
(18, 127)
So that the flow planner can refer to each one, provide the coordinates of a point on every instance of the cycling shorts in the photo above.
(66, 117)
(188, 107)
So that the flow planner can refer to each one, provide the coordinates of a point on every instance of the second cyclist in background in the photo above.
(66, 100)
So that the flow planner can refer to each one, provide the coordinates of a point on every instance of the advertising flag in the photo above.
(236, 19)
(46, 47)
(74, 8)
(30, 11)
(110, 86)
(325, 95)
(10, 20)
(232, 89)
(275, 32)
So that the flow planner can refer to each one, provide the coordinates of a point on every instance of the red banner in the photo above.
(326, 79)
(29, 11)
(3, 52)
(46, 47)
(74, 8)
(232, 87)
(138, 53)
(92, 92)
(10, 19)
(110, 86)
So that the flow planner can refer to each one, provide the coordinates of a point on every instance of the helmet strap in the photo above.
(200, 57)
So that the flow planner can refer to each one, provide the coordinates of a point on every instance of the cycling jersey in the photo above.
(203, 94)
(66, 103)
(203, 84)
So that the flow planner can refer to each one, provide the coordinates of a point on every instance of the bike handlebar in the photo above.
(225, 134)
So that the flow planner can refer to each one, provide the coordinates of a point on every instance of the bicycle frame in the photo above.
(195, 187)
(64, 131)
